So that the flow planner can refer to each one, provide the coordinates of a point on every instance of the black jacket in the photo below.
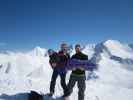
(79, 56)
(54, 58)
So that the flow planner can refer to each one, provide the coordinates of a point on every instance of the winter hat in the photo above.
(77, 45)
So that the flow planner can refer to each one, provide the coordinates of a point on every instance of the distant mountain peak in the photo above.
(38, 51)
(112, 42)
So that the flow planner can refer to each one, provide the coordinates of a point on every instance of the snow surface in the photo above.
(119, 49)
(22, 72)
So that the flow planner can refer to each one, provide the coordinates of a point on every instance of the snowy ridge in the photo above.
(22, 72)
(119, 49)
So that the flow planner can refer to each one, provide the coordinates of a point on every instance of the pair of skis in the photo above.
(85, 64)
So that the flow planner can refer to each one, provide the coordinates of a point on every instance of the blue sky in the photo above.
(25, 24)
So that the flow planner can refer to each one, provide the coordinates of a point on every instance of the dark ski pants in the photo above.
(80, 79)
(63, 81)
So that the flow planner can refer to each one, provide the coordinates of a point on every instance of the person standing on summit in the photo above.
(78, 74)
(58, 62)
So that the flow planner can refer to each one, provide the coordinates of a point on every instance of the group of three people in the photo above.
(57, 61)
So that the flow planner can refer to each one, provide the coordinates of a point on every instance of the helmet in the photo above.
(50, 51)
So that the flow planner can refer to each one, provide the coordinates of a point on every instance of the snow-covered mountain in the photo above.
(23, 71)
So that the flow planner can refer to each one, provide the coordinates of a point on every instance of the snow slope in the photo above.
(118, 49)
(22, 72)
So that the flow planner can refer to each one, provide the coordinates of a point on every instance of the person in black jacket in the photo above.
(78, 75)
(57, 62)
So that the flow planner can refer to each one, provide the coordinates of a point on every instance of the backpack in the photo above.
(33, 95)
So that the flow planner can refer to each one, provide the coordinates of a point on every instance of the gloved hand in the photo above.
(53, 65)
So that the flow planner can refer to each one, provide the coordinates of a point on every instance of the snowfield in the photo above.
(21, 72)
